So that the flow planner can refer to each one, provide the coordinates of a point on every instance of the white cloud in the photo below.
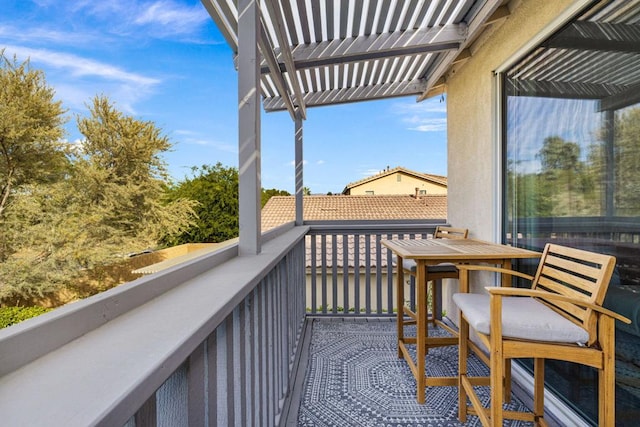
(426, 116)
(160, 18)
(320, 162)
(44, 35)
(172, 17)
(424, 107)
(79, 66)
(78, 79)
(194, 138)
(430, 125)
(133, 18)
(370, 172)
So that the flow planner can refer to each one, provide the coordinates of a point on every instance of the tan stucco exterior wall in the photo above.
(473, 193)
(471, 146)
(390, 184)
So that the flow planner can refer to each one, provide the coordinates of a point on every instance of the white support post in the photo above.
(299, 169)
(249, 127)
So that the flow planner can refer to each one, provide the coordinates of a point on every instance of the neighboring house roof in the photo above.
(281, 209)
(435, 179)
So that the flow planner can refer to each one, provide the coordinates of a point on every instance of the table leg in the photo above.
(421, 329)
(463, 279)
(506, 278)
(400, 303)
(506, 281)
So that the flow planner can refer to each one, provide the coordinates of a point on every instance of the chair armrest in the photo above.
(472, 267)
(523, 292)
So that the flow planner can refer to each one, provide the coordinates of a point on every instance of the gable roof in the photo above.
(281, 209)
(436, 179)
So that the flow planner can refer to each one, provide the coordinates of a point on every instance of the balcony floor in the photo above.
(350, 375)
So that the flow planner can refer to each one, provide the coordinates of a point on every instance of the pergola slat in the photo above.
(347, 47)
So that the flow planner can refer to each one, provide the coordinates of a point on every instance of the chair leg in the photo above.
(538, 388)
(435, 302)
(497, 389)
(496, 363)
(463, 354)
(606, 375)
(507, 380)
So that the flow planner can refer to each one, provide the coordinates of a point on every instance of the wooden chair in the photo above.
(560, 317)
(435, 274)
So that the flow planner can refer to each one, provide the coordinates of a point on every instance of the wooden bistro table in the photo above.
(435, 251)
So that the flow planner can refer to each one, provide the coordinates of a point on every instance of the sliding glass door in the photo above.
(572, 172)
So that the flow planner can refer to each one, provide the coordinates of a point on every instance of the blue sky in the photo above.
(165, 61)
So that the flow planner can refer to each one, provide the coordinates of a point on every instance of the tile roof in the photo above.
(437, 179)
(281, 209)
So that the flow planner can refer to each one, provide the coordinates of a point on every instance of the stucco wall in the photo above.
(471, 145)
(390, 185)
(473, 193)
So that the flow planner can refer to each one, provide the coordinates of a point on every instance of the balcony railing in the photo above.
(213, 341)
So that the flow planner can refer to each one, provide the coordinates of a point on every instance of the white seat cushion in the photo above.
(409, 264)
(445, 267)
(522, 317)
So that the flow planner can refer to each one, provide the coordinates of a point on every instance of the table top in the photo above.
(455, 249)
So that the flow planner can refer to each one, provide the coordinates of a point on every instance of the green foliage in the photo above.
(565, 186)
(109, 203)
(128, 148)
(215, 188)
(627, 159)
(121, 176)
(31, 154)
(267, 194)
(30, 130)
(12, 315)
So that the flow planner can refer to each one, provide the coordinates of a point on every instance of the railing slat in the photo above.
(197, 383)
(367, 280)
(369, 295)
(345, 273)
(323, 241)
(218, 348)
(171, 400)
(356, 274)
(314, 295)
(378, 274)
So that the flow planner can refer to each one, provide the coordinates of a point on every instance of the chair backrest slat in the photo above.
(577, 269)
(553, 276)
(577, 274)
(450, 233)
(546, 284)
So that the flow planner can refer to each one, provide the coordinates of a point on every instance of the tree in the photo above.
(110, 203)
(30, 129)
(215, 188)
(267, 194)
(627, 159)
(565, 181)
(122, 175)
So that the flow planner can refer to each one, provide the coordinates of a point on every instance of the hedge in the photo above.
(12, 315)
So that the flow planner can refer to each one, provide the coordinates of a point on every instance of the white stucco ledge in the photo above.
(76, 365)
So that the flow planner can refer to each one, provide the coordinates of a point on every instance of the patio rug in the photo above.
(354, 378)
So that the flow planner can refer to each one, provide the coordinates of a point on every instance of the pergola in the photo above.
(297, 54)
